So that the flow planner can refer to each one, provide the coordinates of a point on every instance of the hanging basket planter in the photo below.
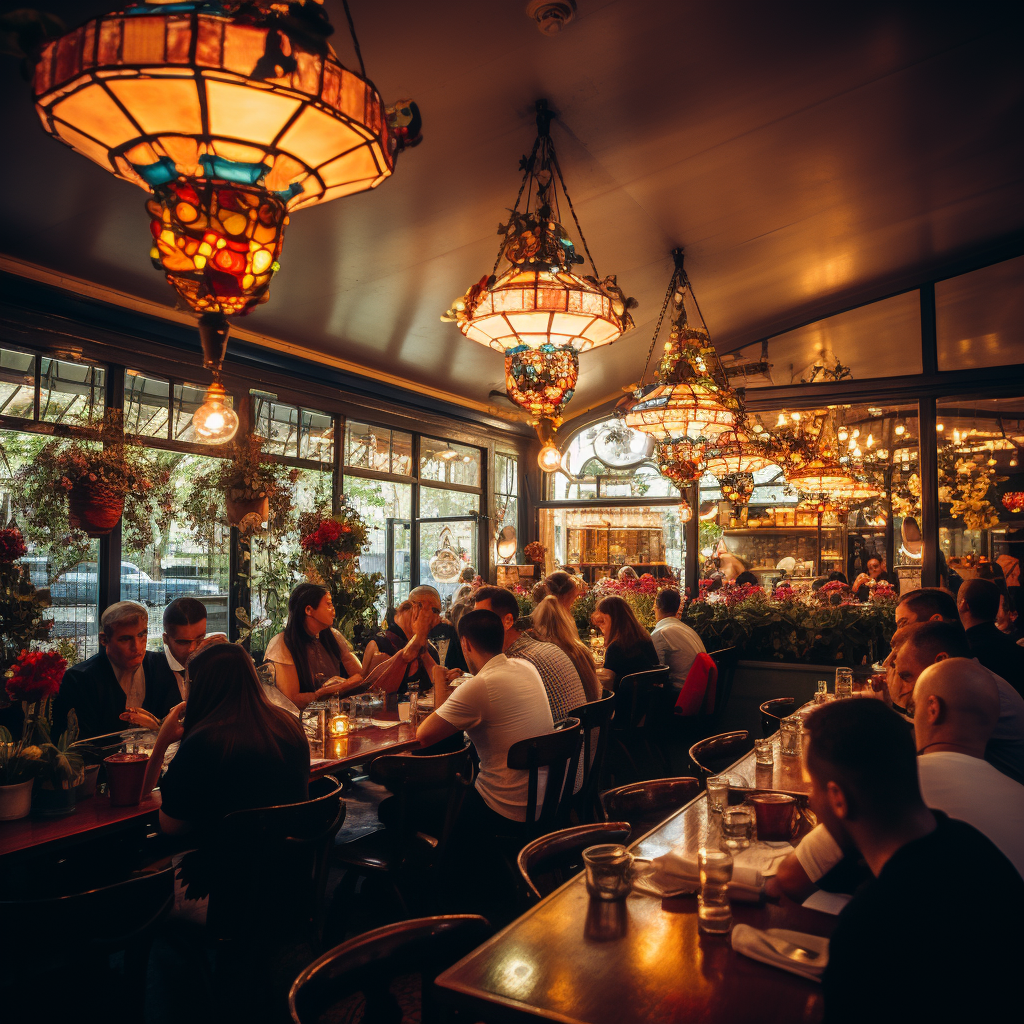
(96, 509)
(250, 514)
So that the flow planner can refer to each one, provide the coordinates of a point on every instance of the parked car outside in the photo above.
(79, 584)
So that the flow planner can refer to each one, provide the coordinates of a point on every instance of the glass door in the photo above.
(398, 562)
(448, 545)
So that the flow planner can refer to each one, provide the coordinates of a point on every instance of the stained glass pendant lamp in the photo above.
(690, 397)
(733, 457)
(233, 114)
(820, 477)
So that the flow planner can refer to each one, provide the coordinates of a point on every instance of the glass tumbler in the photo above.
(714, 912)
(764, 753)
(844, 683)
(718, 793)
(737, 828)
(790, 732)
(609, 871)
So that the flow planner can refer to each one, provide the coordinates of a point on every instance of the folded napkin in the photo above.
(751, 942)
(381, 724)
(674, 873)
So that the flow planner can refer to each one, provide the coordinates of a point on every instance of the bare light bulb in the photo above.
(782, 420)
(549, 458)
(685, 512)
(843, 434)
(795, 417)
(215, 422)
(900, 430)
(940, 427)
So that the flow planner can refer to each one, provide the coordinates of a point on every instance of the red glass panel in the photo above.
(110, 41)
(44, 68)
(89, 45)
(179, 40)
(243, 47)
(332, 85)
(143, 40)
(69, 60)
(208, 45)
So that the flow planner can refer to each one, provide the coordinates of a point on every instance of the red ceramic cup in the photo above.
(125, 773)
(775, 814)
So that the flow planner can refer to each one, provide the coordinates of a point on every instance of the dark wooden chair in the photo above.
(549, 861)
(269, 868)
(367, 965)
(646, 804)
(78, 932)
(406, 857)
(715, 753)
(773, 711)
(725, 661)
(637, 696)
(595, 717)
(559, 752)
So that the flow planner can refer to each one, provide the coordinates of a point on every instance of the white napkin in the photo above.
(674, 873)
(751, 942)
(380, 724)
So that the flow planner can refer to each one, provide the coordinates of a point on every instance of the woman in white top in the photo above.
(310, 655)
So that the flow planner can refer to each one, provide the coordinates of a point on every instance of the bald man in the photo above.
(956, 707)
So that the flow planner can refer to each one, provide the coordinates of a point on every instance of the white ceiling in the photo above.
(803, 154)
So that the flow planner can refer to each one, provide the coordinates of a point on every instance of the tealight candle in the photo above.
(338, 725)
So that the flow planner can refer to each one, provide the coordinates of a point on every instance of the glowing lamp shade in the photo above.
(535, 309)
(685, 512)
(684, 410)
(732, 451)
(681, 461)
(549, 458)
(855, 490)
(215, 422)
(541, 380)
(819, 477)
(156, 91)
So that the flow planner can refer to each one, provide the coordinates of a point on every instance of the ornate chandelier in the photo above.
(819, 477)
(686, 400)
(733, 457)
(233, 113)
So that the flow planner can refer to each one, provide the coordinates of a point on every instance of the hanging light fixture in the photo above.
(233, 114)
(685, 512)
(549, 458)
(681, 461)
(686, 400)
(819, 477)
(538, 312)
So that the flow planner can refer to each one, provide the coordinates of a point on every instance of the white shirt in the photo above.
(677, 646)
(505, 702)
(178, 671)
(972, 790)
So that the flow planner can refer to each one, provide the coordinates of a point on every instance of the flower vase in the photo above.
(49, 801)
(16, 800)
(94, 508)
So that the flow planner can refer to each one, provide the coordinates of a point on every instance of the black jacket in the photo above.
(91, 688)
(998, 653)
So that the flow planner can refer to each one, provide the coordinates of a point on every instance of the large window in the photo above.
(379, 449)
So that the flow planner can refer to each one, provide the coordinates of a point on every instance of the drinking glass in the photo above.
(764, 753)
(404, 707)
(609, 871)
(790, 731)
(774, 814)
(718, 793)
(822, 686)
(360, 713)
(714, 912)
(844, 683)
(737, 828)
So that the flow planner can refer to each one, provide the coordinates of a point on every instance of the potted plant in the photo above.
(73, 486)
(22, 605)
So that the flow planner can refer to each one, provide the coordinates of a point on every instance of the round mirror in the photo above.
(507, 543)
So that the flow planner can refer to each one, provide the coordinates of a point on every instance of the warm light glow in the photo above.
(900, 430)
(842, 433)
(541, 380)
(781, 421)
(795, 417)
(940, 427)
(685, 512)
(549, 458)
(447, 453)
(687, 409)
(215, 422)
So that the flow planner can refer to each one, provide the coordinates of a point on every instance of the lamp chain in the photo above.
(527, 175)
(661, 320)
(568, 199)
(355, 40)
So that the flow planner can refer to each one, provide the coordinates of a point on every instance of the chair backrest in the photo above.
(634, 698)
(548, 861)
(368, 963)
(269, 865)
(697, 695)
(725, 660)
(773, 711)
(714, 753)
(596, 721)
(646, 804)
(556, 751)
(112, 918)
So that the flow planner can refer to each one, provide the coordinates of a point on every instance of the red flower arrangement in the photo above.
(535, 552)
(1013, 501)
(784, 592)
(35, 676)
(12, 545)
(883, 591)
(333, 538)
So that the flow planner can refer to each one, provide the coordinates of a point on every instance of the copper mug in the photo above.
(775, 814)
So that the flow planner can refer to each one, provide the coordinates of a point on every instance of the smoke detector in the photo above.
(551, 15)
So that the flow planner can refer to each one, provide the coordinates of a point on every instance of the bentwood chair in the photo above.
(374, 966)
(725, 661)
(638, 697)
(71, 937)
(715, 753)
(549, 861)
(557, 751)
(596, 722)
(773, 711)
(646, 804)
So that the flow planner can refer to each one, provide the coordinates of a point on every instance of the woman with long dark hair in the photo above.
(628, 646)
(312, 660)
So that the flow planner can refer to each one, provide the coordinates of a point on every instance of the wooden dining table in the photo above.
(364, 745)
(581, 961)
(786, 775)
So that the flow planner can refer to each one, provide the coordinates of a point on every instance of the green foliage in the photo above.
(22, 610)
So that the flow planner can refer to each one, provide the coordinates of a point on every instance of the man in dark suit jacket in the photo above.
(978, 605)
(122, 679)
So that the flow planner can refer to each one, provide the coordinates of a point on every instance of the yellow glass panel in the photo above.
(143, 40)
(236, 151)
(355, 166)
(243, 47)
(183, 151)
(566, 323)
(92, 112)
(161, 105)
(284, 171)
(601, 331)
(239, 112)
(316, 137)
(84, 145)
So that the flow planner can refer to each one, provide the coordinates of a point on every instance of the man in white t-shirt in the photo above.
(956, 707)
(503, 703)
(676, 643)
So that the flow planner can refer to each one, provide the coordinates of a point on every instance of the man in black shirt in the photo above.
(935, 935)
(978, 605)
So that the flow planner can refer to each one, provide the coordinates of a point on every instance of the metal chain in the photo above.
(355, 40)
(722, 377)
(568, 199)
(661, 320)
(527, 175)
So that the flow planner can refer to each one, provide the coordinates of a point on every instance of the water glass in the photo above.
(714, 912)
(790, 733)
(822, 687)
(360, 713)
(609, 871)
(737, 828)
(718, 793)
(764, 753)
(404, 707)
(844, 683)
